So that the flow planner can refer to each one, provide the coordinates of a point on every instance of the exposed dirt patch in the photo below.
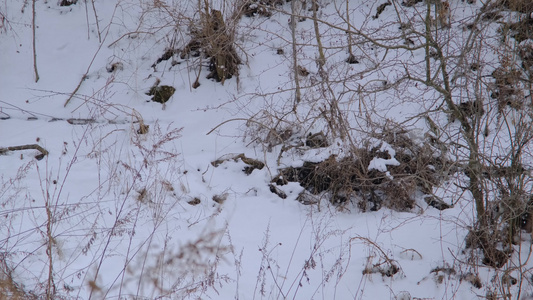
(161, 93)
(522, 30)
(67, 2)
(523, 6)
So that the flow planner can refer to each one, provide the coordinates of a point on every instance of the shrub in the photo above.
(411, 167)
(211, 35)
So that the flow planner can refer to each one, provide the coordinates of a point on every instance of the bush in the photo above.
(411, 167)
(211, 35)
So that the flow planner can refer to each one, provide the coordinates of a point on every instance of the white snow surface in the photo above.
(381, 164)
(115, 203)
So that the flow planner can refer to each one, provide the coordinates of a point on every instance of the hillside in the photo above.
(266, 149)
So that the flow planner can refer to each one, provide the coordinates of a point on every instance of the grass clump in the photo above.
(360, 177)
(212, 36)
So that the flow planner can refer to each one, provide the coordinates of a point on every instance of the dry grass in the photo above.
(212, 36)
(252, 8)
(9, 287)
(523, 6)
(349, 178)
(378, 262)
(3, 22)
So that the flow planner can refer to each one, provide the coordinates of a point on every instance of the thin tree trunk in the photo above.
(321, 58)
(350, 51)
(294, 21)
(34, 50)
(97, 23)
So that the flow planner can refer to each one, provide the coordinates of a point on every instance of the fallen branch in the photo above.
(43, 151)
(252, 163)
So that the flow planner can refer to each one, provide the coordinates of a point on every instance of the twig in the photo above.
(34, 51)
(126, 35)
(236, 119)
(79, 84)
(87, 21)
(90, 65)
(97, 24)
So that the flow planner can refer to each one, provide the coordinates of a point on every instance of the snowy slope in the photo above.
(109, 212)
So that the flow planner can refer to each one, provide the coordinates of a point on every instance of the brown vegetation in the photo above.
(418, 168)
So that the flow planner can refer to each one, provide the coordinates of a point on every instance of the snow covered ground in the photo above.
(114, 213)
